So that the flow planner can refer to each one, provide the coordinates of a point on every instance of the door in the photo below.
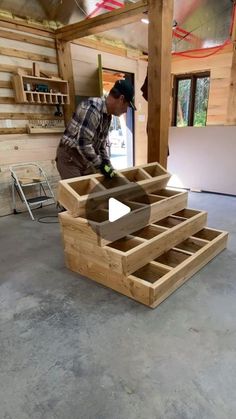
(121, 134)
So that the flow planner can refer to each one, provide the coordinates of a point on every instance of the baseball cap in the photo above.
(125, 88)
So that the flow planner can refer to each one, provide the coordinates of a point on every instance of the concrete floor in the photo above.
(71, 349)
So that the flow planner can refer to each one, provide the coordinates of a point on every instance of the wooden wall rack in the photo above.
(40, 90)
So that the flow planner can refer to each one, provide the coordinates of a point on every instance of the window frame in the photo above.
(187, 76)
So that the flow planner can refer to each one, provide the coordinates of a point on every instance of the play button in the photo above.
(117, 209)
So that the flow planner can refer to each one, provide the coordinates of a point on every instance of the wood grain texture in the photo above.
(160, 15)
(11, 52)
(144, 288)
(27, 27)
(178, 276)
(128, 260)
(27, 38)
(29, 116)
(66, 72)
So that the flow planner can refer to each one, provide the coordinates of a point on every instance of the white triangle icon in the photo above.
(117, 209)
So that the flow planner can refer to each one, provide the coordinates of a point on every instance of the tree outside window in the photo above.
(190, 102)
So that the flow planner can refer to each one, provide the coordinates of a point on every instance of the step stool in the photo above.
(24, 176)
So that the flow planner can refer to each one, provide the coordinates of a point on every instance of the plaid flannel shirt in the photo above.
(88, 131)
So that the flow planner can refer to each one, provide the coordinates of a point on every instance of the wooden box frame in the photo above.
(74, 194)
(154, 282)
(134, 251)
(99, 229)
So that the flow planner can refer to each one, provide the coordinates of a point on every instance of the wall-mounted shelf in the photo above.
(40, 90)
(44, 130)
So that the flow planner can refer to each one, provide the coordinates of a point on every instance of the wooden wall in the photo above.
(19, 47)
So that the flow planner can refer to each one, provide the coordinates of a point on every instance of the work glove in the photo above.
(107, 170)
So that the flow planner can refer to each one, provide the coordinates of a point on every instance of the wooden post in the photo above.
(160, 14)
(231, 111)
(66, 72)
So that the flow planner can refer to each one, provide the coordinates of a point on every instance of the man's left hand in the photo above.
(107, 170)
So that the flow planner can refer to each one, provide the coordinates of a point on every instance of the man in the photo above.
(83, 147)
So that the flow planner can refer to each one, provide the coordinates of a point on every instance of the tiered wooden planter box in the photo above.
(145, 259)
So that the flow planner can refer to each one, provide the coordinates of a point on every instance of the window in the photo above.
(190, 101)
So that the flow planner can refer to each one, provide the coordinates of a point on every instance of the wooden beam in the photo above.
(160, 14)
(104, 22)
(231, 109)
(66, 72)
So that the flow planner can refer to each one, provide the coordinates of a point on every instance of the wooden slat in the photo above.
(179, 275)
(27, 27)
(12, 131)
(6, 84)
(132, 287)
(11, 52)
(27, 38)
(66, 72)
(231, 110)
(7, 100)
(123, 261)
(8, 68)
(28, 116)
(100, 45)
(159, 78)
(104, 22)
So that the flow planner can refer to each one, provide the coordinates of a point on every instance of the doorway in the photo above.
(121, 133)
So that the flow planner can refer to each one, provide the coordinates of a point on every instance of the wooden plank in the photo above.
(7, 99)
(231, 111)
(29, 116)
(179, 275)
(66, 72)
(160, 14)
(21, 148)
(23, 25)
(12, 131)
(49, 130)
(144, 289)
(102, 46)
(123, 185)
(6, 84)
(8, 68)
(134, 288)
(233, 34)
(129, 224)
(27, 38)
(11, 52)
(164, 242)
(133, 252)
(104, 22)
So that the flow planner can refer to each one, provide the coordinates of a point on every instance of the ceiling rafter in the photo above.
(104, 22)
